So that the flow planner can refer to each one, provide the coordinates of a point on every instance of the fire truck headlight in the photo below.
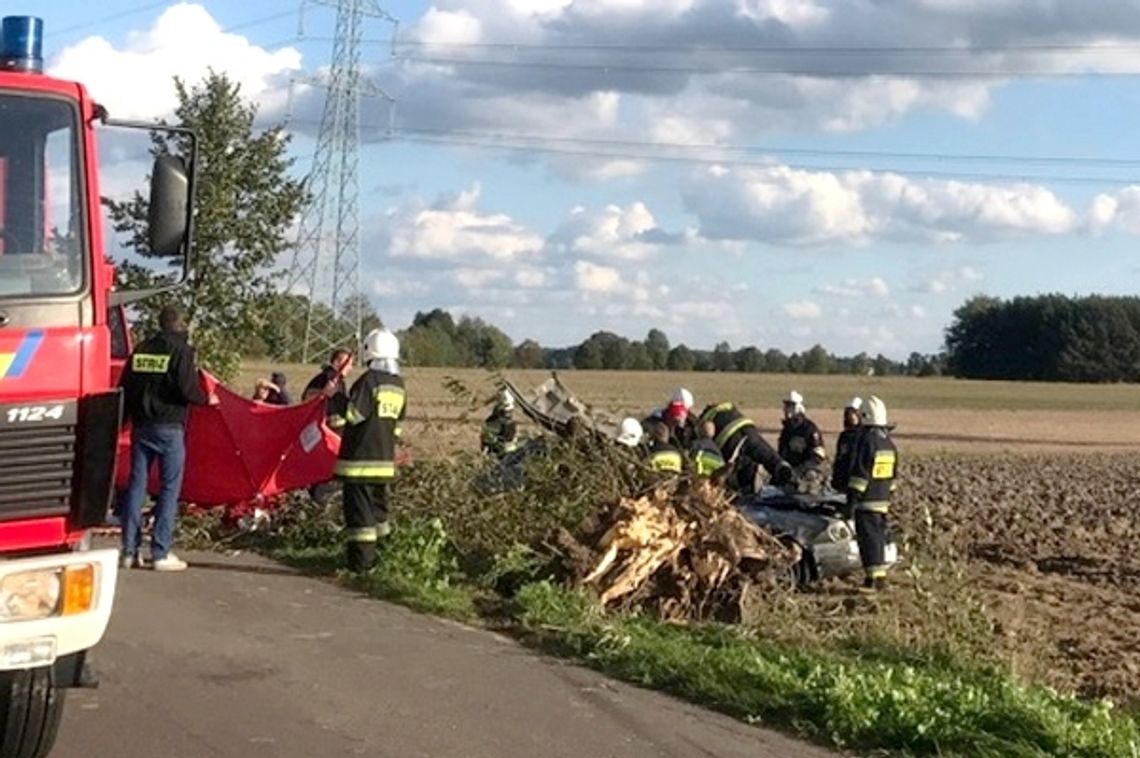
(30, 595)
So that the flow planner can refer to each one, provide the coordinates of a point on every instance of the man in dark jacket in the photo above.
(159, 384)
(800, 443)
(330, 382)
(500, 434)
(845, 445)
(741, 443)
(870, 486)
(374, 414)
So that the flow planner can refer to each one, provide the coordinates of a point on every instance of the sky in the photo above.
(763, 172)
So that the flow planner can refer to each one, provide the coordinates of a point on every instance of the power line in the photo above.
(754, 70)
(776, 149)
(776, 49)
(112, 17)
(619, 155)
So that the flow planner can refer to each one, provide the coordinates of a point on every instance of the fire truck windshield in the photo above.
(41, 198)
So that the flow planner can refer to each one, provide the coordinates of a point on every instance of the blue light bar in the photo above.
(21, 44)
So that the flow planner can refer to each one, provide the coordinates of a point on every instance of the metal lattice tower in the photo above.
(326, 260)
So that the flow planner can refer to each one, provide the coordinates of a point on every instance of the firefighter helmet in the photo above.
(631, 432)
(794, 401)
(380, 344)
(874, 412)
(855, 404)
(506, 400)
(684, 397)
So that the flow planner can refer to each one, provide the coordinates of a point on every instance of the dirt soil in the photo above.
(1050, 543)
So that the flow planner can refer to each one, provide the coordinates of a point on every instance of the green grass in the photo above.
(881, 702)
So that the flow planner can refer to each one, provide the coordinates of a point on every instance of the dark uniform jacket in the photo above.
(317, 385)
(707, 458)
(873, 471)
(373, 414)
(800, 442)
(160, 381)
(665, 457)
(844, 455)
(500, 434)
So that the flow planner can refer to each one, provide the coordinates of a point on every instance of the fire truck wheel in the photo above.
(30, 710)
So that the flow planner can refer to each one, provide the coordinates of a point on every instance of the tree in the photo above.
(658, 346)
(722, 357)
(246, 204)
(749, 360)
(638, 357)
(681, 358)
(817, 361)
(483, 345)
(775, 362)
(369, 318)
(529, 354)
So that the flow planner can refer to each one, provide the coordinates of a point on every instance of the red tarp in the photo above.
(241, 450)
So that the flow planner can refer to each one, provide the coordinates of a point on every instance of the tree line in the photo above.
(435, 338)
(1046, 338)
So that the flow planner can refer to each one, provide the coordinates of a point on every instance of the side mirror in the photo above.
(168, 218)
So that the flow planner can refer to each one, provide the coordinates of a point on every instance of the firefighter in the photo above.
(738, 438)
(630, 433)
(706, 456)
(869, 488)
(159, 384)
(664, 456)
(500, 435)
(800, 443)
(845, 446)
(330, 382)
(373, 412)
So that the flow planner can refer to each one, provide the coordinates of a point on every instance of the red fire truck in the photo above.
(60, 323)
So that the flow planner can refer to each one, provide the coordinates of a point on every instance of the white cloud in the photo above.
(782, 205)
(476, 278)
(530, 277)
(590, 277)
(1119, 211)
(455, 230)
(629, 233)
(803, 309)
(947, 280)
(875, 286)
(135, 79)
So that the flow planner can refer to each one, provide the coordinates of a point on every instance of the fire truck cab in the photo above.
(60, 410)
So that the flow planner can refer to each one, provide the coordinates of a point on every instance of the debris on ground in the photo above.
(681, 550)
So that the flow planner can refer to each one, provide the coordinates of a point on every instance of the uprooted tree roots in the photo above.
(681, 550)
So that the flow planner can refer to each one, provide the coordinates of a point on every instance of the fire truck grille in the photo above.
(36, 468)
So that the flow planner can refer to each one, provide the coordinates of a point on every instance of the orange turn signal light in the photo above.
(78, 592)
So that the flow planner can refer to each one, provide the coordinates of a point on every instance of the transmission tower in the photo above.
(326, 259)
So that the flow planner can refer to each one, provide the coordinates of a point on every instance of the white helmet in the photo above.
(796, 400)
(875, 412)
(855, 404)
(507, 400)
(684, 397)
(380, 344)
(631, 432)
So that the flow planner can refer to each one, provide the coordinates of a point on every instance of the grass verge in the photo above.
(854, 693)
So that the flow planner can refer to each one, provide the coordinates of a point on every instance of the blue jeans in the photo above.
(165, 442)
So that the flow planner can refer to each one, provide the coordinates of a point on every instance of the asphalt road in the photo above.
(240, 657)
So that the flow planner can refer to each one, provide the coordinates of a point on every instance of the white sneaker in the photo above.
(128, 562)
(170, 563)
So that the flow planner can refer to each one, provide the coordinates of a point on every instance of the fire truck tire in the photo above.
(30, 710)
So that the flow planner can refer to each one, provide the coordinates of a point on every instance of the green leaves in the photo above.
(246, 204)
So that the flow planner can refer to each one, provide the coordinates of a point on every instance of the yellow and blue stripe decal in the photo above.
(13, 363)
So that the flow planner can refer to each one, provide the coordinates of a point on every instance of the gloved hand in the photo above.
(784, 476)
